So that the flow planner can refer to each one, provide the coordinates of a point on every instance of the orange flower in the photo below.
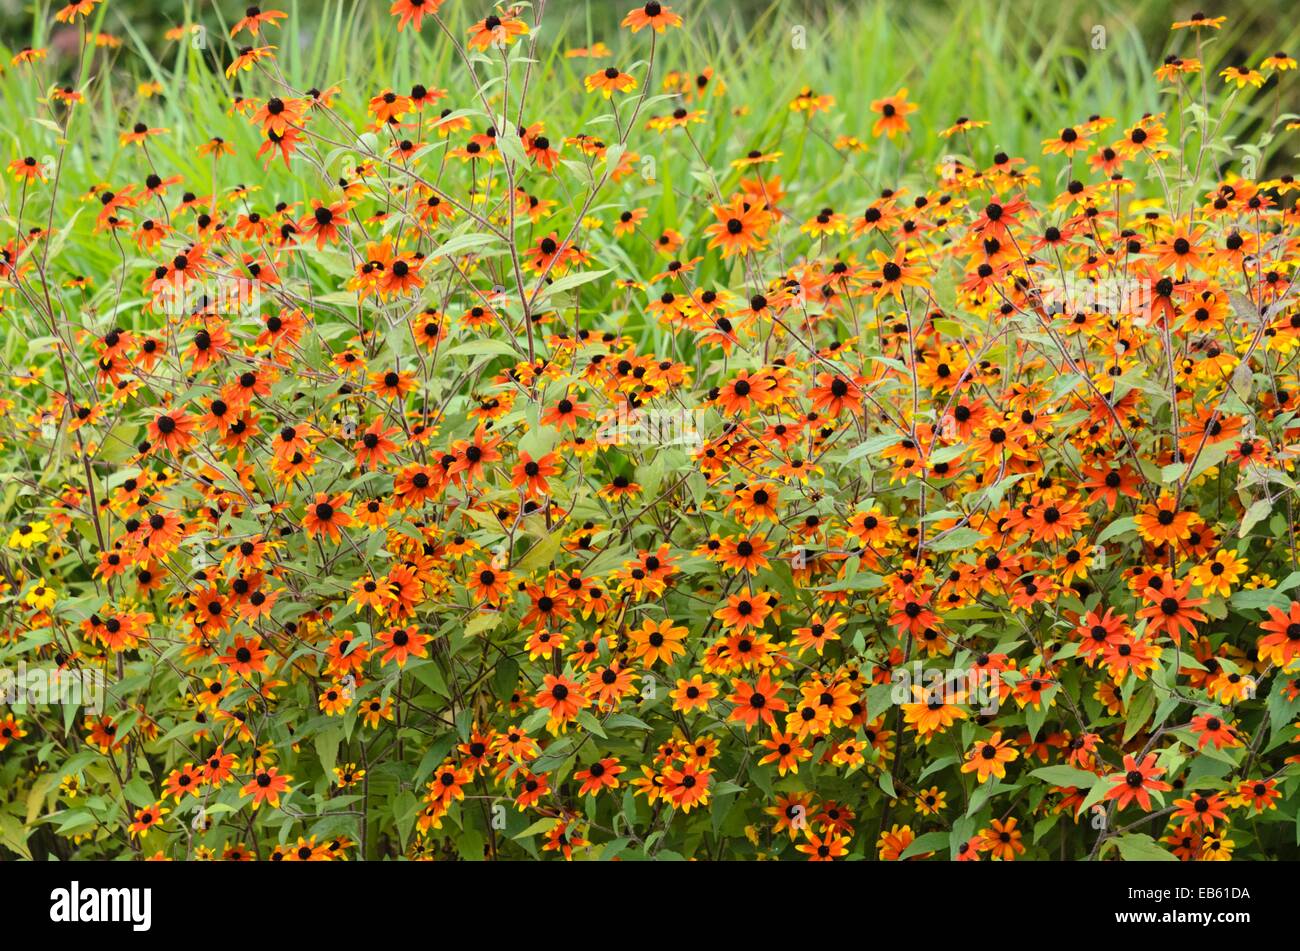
(657, 641)
(531, 474)
(893, 111)
(172, 431)
(602, 774)
(739, 228)
(326, 516)
(400, 644)
(266, 787)
(494, 30)
(246, 656)
(654, 15)
(1137, 782)
(988, 758)
(1282, 644)
(376, 444)
(743, 611)
(413, 12)
(755, 702)
(609, 81)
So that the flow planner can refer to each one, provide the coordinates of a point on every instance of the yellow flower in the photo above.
(33, 376)
(335, 700)
(930, 801)
(1243, 76)
(41, 596)
(1218, 575)
(1215, 848)
(989, 758)
(28, 536)
(348, 775)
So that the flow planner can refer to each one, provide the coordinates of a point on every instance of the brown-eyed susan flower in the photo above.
(326, 517)
(138, 134)
(172, 431)
(147, 819)
(247, 57)
(1199, 21)
(825, 847)
(255, 19)
(755, 702)
(657, 641)
(1243, 76)
(11, 729)
(988, 758)
(1209, 728)
(1172, 610)
(75, 9)
(609, 81)
(1282, 642)
(739, 227)
(652, 14)
(1137, 782)
(413, 12)
(893, 111)
(1002, 840)
(598, 776)
(28, 169)
(28, 535)
(1163, 521)
(400, 644)
(496, 30)
(266, 786)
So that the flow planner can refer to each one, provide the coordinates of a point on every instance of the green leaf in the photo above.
(469, 845)
(405, 809)
(433, 756)
(591, 724)
(483, 347)
(429, 674)
(626, 720)
(1116, 528)
(543, 553)
(873, 445)
(1137, 847)
(956, 539)
(138, 793)
(1036, 716)
(483, 622)
(538, 827)
(1139, 712)
(36, 796)
(462, 243)
(986, 791)
(1066, 776)
(327, 749)
(929, 842)
(1173, 472)
(570, 281)
(13, 835)
(1045, 825)
(1259, 599)
(1257, 512)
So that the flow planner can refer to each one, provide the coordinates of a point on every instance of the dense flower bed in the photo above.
(450, 510)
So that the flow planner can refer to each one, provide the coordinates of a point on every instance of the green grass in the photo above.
(1027, 68)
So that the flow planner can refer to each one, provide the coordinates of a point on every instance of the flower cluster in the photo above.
(340, 477)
